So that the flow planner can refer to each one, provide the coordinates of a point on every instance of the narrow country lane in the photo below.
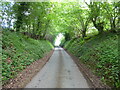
(59, 72)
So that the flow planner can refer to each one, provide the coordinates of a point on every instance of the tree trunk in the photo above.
(99, 26)
(113, 26)
(84, 33)
(18, 24)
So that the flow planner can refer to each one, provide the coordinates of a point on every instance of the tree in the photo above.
(96, 16)
(84, 19)
(112, 14)
(20, 10)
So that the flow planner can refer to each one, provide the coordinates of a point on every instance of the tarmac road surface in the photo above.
(59, 72)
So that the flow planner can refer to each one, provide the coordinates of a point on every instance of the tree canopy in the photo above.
(44, 20)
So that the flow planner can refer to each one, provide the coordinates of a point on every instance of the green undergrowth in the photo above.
(100, 54)
(19, 51)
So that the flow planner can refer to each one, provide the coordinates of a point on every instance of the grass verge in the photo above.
(19, 51)
(100, 54)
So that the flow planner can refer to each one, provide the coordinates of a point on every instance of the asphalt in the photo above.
(59, 72)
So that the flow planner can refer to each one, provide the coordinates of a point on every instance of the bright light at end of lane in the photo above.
(58, 39)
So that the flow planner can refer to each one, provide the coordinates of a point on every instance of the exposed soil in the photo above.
(93, 80)
(26, 75)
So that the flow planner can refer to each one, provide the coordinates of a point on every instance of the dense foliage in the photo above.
(73, 19)
(77, 21)
(19, 51)
(100, 54)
